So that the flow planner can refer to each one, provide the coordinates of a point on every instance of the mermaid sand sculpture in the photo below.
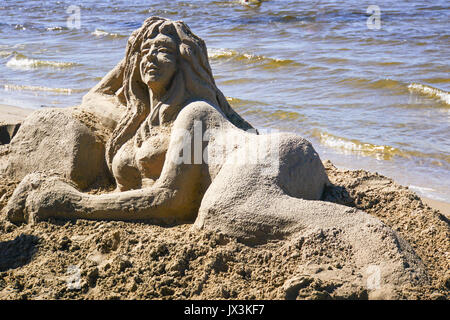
(158, 125)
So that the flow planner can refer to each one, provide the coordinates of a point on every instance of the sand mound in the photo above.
(425, 229)
(131, 260)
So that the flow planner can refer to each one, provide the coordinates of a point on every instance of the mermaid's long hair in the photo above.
(192, 81)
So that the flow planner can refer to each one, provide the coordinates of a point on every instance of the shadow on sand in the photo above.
(18, 252)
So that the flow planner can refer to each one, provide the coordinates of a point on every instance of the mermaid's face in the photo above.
(158, 63)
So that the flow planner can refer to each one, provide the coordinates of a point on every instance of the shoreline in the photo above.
(441, 206)
(13, 115)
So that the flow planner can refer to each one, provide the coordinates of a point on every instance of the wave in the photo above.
(384, 63)
(249, 2)
(59, 28)
(354, 146)
(268, 62)
(159, 12)
(427, 192)
(261, 110)
(4, 54)
(19, 61)
(240, 103)
(332, 60)
(15, 87)
(235, 101)
(380, 152)
(278, 119)
(238, 81)
(430, 91)
(437, 80)
(388, 84)
(400, 87)
(102, 33)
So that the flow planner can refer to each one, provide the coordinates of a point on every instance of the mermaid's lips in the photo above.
(151, 68)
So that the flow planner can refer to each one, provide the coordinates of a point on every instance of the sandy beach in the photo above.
(11, 114)
(443, 207)
(131, 260)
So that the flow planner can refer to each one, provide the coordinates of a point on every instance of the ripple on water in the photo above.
(16, 87)
(20, 61)
(248, 58)
(431, 92)
(380, 152)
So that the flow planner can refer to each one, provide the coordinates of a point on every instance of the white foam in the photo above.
(5, 53)
(217, 53)
(348, 147)
(23, 63)
(15, 87)
(102, 33)
(426, 192)
(99, 33)
(430, 91)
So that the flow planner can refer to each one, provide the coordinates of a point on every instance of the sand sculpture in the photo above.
(160, 128)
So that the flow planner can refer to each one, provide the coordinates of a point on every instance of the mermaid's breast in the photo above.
(150, 156)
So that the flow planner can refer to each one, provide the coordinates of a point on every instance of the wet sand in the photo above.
(443, 207)
(12, 115)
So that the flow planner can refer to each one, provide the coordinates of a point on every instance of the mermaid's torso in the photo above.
(140, 160)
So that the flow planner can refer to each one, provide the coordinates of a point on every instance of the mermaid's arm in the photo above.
(112, 82)
(177, 194)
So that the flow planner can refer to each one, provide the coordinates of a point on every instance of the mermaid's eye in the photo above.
(164, 50)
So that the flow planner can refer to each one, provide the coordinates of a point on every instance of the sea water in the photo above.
(366, 81)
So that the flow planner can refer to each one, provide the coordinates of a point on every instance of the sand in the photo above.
(443, 207)
(82, 259)
(11, 114)
(10, 120)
